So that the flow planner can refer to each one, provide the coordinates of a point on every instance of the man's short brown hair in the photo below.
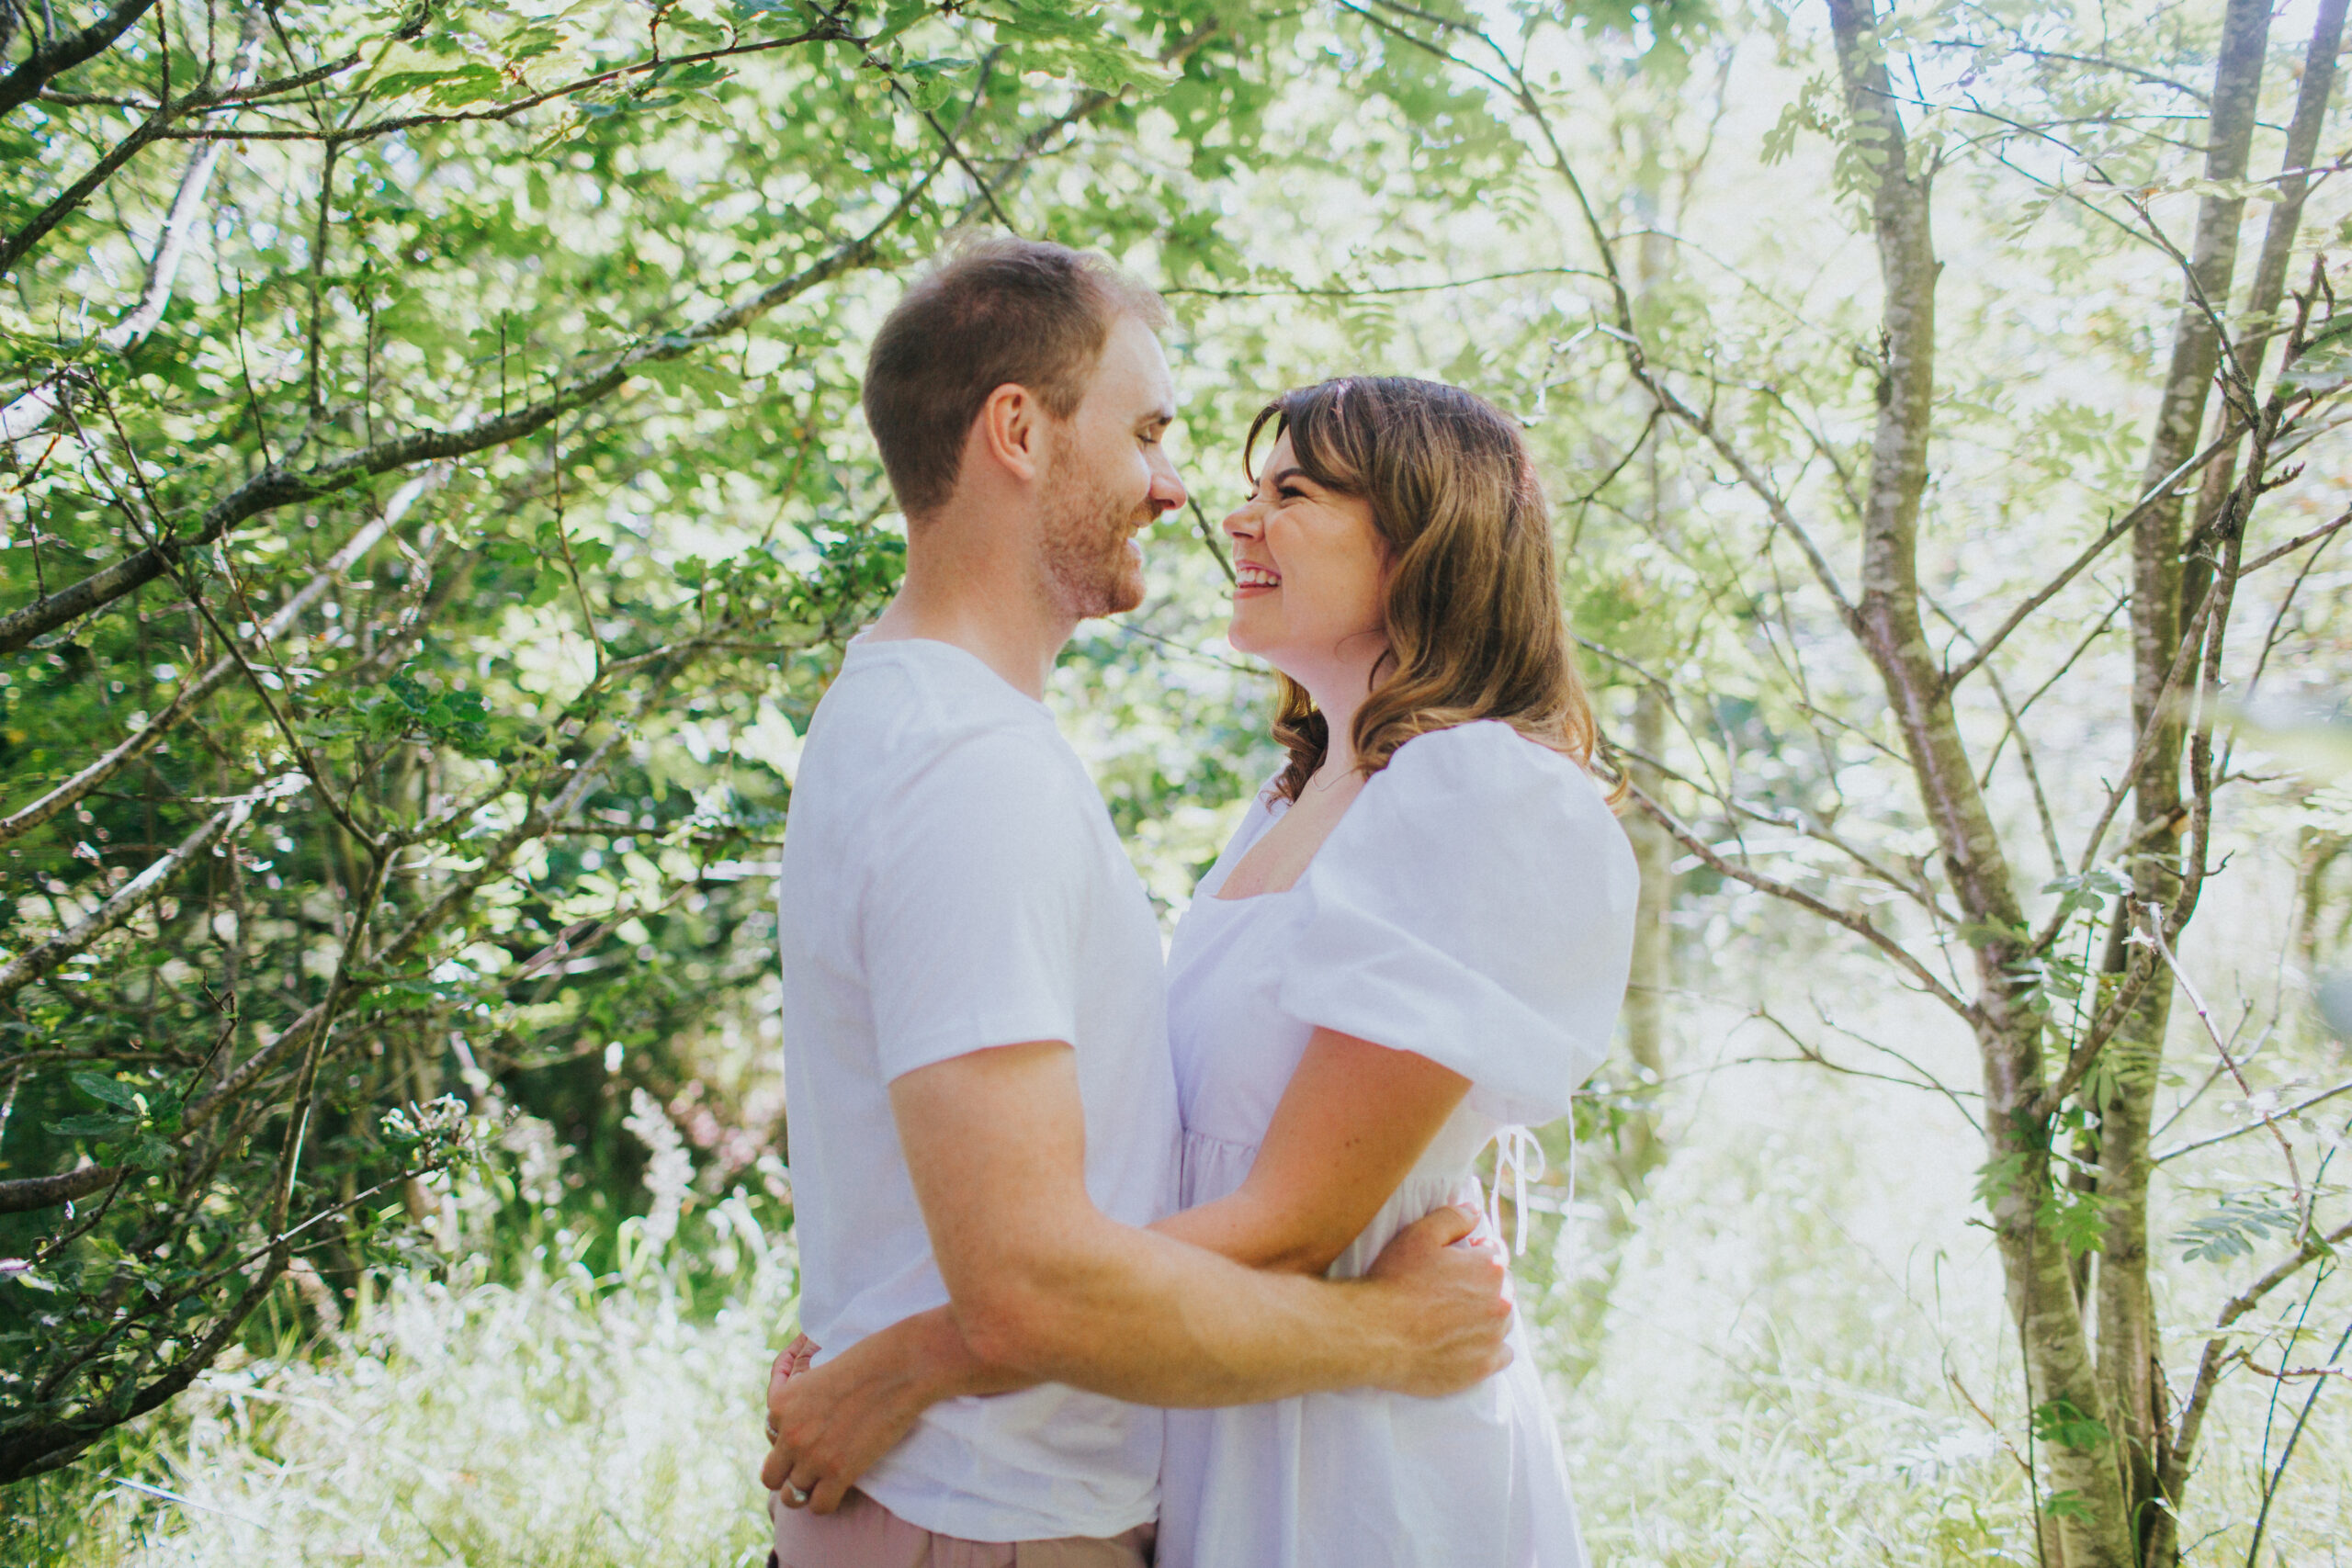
(996, 312)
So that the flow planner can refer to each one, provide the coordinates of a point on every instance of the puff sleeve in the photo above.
(1473, 906)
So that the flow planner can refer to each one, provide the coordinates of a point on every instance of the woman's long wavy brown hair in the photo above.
(1474, 619)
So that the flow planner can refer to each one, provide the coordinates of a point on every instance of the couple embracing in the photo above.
(1109, 1259)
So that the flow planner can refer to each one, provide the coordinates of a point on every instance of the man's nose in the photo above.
(1166, 492)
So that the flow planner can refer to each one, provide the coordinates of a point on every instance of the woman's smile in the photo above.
(1307, 567)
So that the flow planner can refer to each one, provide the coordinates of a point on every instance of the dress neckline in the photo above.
(1236, 853)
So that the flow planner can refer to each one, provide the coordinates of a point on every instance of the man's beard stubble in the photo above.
(1087, 564)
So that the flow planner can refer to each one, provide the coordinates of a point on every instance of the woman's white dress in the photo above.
(1475, 906)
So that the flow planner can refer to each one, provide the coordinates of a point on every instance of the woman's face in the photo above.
(1310, 565)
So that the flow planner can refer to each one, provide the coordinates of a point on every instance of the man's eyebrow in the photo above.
(1163, 414)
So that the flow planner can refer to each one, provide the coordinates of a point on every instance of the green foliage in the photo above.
(2077, 1219)
(2059, 1421)
(2237, 1224)
(646, 593)
(516, 648)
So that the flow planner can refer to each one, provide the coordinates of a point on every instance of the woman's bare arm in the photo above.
(1352, 1123)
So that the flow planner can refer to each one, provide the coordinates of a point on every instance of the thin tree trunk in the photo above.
(1639, 1149)
(2093, 1532)
(2129, 1353)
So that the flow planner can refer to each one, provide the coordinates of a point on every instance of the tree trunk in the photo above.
(2129, 1354)
(2092, 1528)
(1639, 1149)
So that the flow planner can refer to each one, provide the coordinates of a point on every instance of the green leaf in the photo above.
(470, 84)
(2077, 1220)
(112, 1091)
(2231, 1231)
(398, 84)
(2060, 1422)
(1999, 1177)
(93, 1126)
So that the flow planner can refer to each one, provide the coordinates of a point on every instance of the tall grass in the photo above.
(557, 1420)
(1798, 1364)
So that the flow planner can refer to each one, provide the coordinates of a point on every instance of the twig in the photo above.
(31, 965)
(2152, 934)
(1859, 924)
(2295, 1110)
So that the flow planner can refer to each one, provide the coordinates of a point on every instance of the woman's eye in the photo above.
(1292, 492)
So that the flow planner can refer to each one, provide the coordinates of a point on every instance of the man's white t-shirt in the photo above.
(951, 882)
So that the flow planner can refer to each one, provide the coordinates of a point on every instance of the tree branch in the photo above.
(2155, 495)
(32, 1192)
(278, 485)
(60, 55)
(31, 965)
(1859, 924)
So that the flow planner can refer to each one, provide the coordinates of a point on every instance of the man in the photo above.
(983, 1112)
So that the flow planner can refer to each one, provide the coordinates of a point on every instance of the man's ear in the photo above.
(1009, 433)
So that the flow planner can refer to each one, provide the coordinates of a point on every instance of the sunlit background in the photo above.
(1765, 1292)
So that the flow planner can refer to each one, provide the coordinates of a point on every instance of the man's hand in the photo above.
(1449, 1294)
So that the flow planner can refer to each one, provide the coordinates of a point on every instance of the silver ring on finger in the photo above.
(794, 1495)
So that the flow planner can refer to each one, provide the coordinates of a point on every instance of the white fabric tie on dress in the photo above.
(1515, 1146)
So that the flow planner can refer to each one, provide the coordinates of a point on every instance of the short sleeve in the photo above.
(1476, 906)
(977, 894)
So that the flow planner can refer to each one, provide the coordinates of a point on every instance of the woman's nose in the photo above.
(1241, 522)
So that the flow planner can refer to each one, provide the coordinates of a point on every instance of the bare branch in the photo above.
(28, 1193)
(1859, 924)
(2154, 933)
(38, 960)
(2322, 1097)
(2268, 558)
(62, 54)
(2155, 495)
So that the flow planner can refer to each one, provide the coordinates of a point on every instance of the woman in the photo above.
(1417, 941)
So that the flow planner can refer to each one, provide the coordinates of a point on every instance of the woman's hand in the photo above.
(790, 1362)
(828, 1425)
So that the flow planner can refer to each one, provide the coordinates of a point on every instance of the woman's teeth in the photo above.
(1255, 577)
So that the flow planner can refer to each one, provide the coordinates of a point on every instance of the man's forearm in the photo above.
(941, 1363)
(1042, 1283)
(1144, 1318)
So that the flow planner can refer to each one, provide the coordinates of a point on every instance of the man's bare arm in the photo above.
(1352, 1122)
(1042, 1283)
